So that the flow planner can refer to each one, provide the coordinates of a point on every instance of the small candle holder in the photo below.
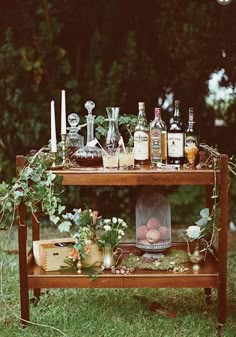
(63, 144)
(54, 156)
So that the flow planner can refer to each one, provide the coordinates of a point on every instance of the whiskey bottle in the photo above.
(192, 134)
(158, 151)
(141, 137)
(176, 138)
(192, 139)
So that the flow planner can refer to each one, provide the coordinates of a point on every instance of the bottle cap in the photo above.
(141, 105)
(157, 111)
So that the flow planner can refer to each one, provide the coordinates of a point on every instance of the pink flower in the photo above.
(74, 255)
(95, 217)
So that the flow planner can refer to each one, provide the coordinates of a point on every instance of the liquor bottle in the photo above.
(176, 138)
(192, 139)
(141, 137)
(158, 152)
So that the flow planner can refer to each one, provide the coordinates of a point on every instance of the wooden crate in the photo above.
(50, 254)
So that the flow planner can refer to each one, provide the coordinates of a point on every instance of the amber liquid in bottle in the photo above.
(158, 151)
(192, 140)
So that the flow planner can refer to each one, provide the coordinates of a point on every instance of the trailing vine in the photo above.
(36, 186)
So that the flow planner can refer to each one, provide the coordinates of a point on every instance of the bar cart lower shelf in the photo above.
(212, 274)
(206, 277)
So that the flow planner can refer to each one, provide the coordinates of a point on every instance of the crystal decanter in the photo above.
(74, 140)
(90, 154)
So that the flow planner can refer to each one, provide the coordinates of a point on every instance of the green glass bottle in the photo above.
(176, 138)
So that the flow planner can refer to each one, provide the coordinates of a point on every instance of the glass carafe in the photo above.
(113, 134)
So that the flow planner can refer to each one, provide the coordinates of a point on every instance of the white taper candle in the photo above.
(63, 112)
(53, 128)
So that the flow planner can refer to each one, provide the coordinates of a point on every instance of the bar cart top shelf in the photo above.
(144, 175)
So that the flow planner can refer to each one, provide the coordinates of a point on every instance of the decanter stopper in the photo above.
(73, 120)
(89, 105)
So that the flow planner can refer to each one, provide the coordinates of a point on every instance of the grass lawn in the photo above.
(112, 312)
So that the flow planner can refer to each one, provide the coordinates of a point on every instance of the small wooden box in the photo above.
(50, 254)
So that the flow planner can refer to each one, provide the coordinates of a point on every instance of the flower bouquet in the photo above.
(83, 224)
(112, 231)
(91, 234)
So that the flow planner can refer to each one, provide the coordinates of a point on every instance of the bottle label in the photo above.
(156, 138)
(164, 145)
(191, 141)
(141, 140)
(176, 145)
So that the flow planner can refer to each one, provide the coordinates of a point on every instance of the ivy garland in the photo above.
(36, 186)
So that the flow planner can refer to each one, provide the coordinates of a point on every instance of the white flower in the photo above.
(107, 227)
(193, 232)
(76, 210)
(120, 221)
(124, 224)
(114, 219)
(121, 232)
(107, 221)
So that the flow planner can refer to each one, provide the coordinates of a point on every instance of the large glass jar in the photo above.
(153, 222)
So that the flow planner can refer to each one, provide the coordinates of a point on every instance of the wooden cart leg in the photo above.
(222, 245)
(219, 330)
(22, 241)
(222, 307)
(36, 237)
(37, 293)
(207, 292)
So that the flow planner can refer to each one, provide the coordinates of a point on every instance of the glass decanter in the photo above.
(74, 140)
(113, 134)
(90, 154)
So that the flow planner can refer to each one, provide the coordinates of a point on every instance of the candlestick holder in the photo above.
(63, 145)
(53, 156)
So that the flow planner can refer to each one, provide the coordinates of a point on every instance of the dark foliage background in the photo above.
(114, 52)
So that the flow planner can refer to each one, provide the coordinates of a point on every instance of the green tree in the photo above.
(33, 68)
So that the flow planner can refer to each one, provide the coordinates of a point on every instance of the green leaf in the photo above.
(60, 209)
(55, 219)
(201, 222)
(65, 226)
(204, 212)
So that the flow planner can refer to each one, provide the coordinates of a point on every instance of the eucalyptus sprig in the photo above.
(205, 228)
(215, 154)
(36, 186)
